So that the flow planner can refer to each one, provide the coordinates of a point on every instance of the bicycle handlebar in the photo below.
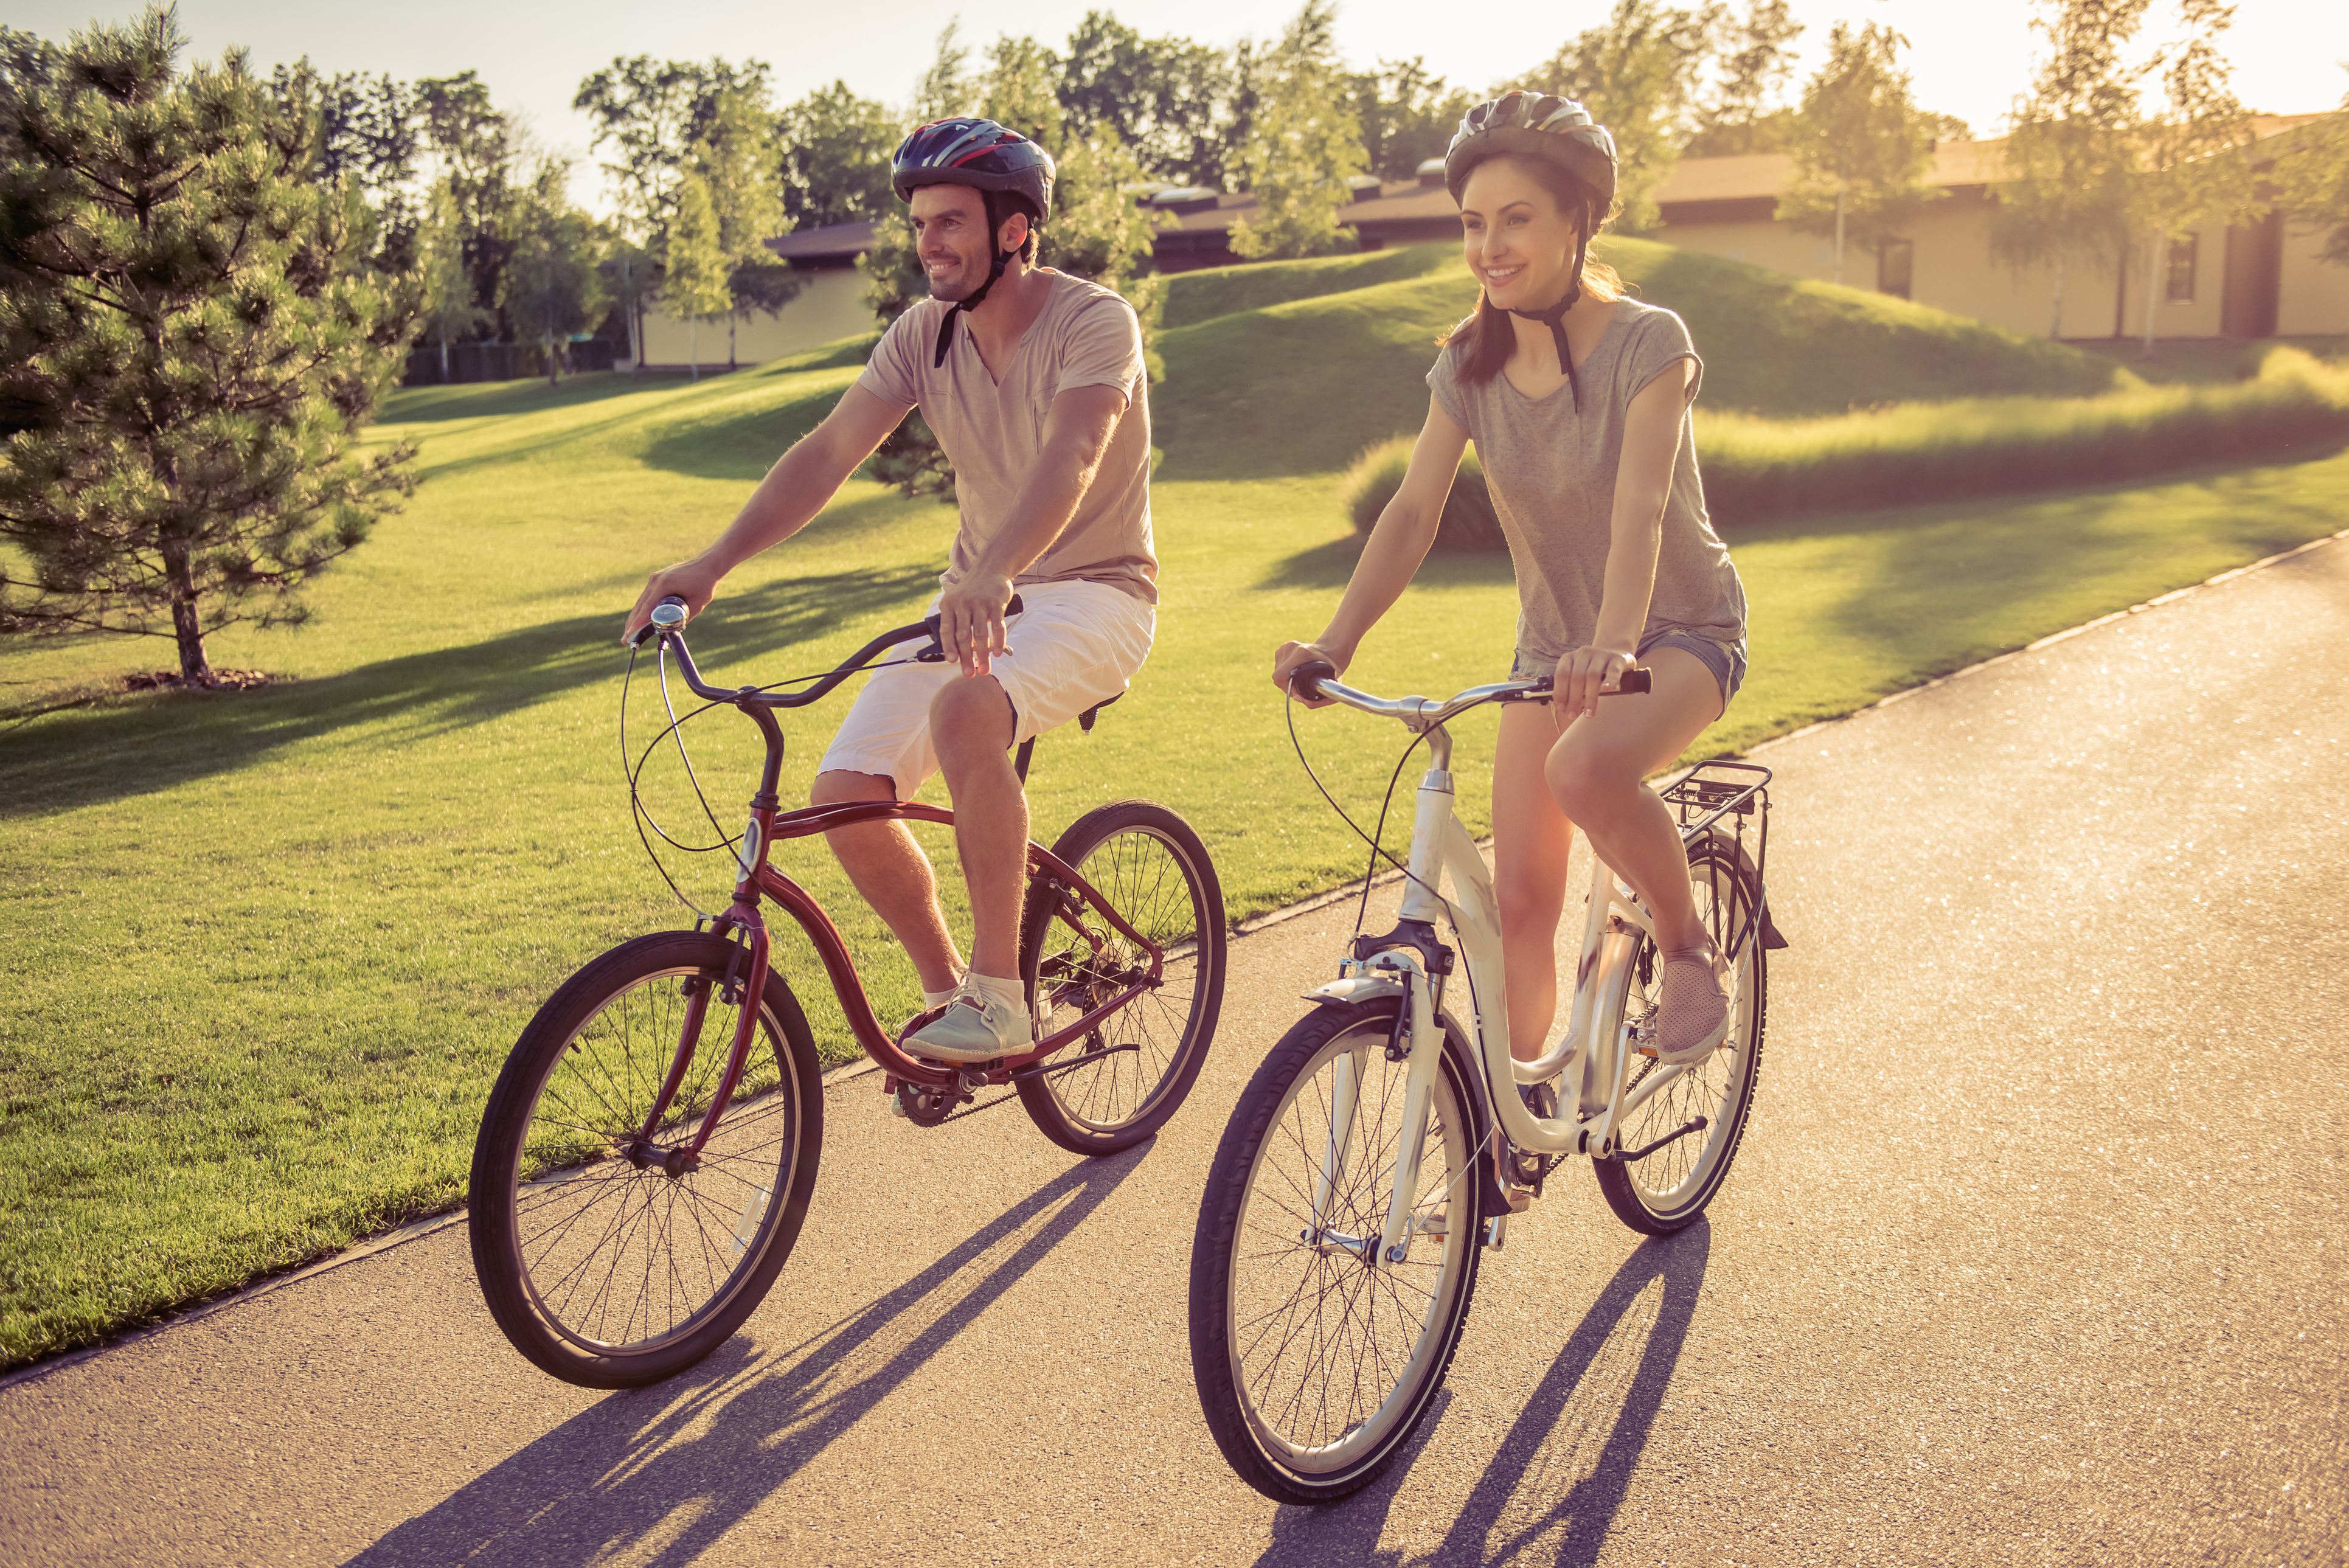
(1319, 677)
(667, 622)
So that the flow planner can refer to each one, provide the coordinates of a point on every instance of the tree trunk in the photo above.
(444, 359)
(187, 625)
(730, 341)
(2055, 326)
(635, 336)
(552, 380)
(2154, 281)
(693, 346)
(1839, 270)
(2120, 296)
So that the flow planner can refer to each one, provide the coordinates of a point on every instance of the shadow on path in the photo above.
(659, 1475)
(1509, 1518)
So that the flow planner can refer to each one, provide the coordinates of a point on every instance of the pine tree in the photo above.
(1304, 147)
(187, 313)
(1862, 146)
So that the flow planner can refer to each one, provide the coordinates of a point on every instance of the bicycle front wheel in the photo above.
(1315, 1358)
(1703, 1111)
(606, 1259)
(1118, 1084)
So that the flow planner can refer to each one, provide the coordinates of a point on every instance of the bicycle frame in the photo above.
(1613, 923)
(759, 880)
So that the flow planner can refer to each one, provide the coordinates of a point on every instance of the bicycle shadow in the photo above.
(659, 1475)
(1505, 1520)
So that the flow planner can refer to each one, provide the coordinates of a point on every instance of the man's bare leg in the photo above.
(971, 726)
(894, 875)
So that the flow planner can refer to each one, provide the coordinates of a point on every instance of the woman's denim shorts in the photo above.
(1725, 660)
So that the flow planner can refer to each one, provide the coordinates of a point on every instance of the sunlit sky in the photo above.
(1969, 59)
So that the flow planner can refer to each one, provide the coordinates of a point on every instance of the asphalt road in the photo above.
(2033, 1254)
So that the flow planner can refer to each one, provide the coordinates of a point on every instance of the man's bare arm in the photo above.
(800, 485)
(1077, 431)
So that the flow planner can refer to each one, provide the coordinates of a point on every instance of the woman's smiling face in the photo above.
(1514, 238)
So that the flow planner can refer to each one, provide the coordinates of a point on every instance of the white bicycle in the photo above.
(1358, 1180)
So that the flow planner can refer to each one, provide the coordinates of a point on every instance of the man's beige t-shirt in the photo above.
(991, 429)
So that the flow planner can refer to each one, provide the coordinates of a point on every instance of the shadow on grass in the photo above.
(1331, 565)
(660, 1475)
(68, 760)
(1551, 1492)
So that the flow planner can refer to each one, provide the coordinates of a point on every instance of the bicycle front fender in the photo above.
(1357, 988)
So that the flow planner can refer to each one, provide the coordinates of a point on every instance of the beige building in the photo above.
(2262, 280)
(829, 306)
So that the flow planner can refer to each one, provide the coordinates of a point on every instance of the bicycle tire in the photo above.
(605, 1271)
(1318, 1430)
(1152, 868)
(1668, 1190)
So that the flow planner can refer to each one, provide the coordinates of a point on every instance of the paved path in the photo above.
(2035, 1253)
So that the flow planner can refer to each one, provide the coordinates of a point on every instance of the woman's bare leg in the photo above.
(1595, 772)
(1531, 840)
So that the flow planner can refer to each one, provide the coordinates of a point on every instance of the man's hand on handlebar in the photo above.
(691, 580)
(970, 620)
(1290, 655)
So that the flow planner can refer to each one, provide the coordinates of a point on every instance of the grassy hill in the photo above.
(1296, 370)
(324, 908)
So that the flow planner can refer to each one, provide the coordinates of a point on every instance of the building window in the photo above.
(2179, 287)
(1895, 266)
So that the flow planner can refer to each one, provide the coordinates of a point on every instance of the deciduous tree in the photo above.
(2190, 152)
(836, 151)
(1862, 146)
(2064, 197)
(1304, 148)
(190, 315)
(694, 282)
(1637, 75)
(551, 287)
(1757, 59)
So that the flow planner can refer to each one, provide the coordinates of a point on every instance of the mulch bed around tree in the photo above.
(220, 680)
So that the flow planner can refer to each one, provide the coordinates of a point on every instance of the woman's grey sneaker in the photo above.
(973, 1027)
(1692, 1015)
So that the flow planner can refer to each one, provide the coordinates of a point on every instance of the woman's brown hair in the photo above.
(1489, 337)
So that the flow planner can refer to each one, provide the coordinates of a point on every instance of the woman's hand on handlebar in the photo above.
(691, 580)
(1581, 676)
(1290, 655)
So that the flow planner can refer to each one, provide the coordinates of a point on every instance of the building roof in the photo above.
(833, 242)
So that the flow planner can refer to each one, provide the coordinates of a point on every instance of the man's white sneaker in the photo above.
(973, 1027)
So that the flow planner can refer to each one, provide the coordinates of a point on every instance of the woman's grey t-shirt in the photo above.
(1551, 471)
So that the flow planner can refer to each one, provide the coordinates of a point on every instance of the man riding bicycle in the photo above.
(1039, 400)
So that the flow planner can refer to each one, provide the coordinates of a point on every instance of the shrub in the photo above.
(1467, 523)
(1756, 471)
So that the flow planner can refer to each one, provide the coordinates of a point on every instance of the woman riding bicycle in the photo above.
(1577, 398)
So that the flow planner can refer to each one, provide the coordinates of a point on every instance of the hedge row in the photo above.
(1762, 471)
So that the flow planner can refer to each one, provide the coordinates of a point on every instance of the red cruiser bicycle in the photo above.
(646, 1159)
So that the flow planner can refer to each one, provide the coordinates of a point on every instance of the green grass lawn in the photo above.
(273, 947)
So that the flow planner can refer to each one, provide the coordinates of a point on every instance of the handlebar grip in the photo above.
(666, 616)
(1632, 680)
(1305, 680)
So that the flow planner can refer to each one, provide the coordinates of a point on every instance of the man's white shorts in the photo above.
(1072, 645)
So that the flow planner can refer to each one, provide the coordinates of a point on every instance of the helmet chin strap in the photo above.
(1555, 319)
(978, 296)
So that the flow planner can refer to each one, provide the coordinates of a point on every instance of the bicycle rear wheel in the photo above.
(1315, 1363)
(602, 1266)
(1118, 1084)
(1665, 1191)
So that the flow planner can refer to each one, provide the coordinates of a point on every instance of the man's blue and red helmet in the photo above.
(992, 160)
